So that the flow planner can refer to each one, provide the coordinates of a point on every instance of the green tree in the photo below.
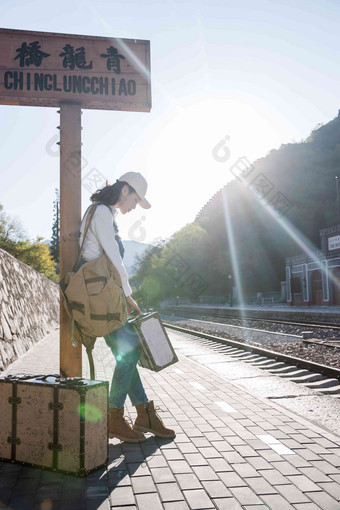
(188, 264)
(35, 254)
(10, 228)
(147, 288)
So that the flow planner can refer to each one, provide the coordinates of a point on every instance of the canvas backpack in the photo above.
(93, 296)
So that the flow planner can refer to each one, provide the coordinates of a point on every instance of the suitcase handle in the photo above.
(21, 377)
(44, 377)
(140, 318)
(74, 381)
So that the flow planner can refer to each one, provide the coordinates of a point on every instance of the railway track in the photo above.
(309, 337)
(322, 378)
(323, 325)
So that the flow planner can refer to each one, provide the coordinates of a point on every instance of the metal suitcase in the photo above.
(54, 423)
(156, 351)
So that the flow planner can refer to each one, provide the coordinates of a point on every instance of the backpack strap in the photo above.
(118, 239)
(87, 224)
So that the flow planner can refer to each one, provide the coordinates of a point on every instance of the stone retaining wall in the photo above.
(29, 307)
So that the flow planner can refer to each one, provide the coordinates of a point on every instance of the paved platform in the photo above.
(232, 450)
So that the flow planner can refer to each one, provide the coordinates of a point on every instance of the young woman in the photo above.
(102, 235)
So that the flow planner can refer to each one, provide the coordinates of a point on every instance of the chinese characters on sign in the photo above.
(30, 54)
(113, 61)
(38, 68)
(74, 59)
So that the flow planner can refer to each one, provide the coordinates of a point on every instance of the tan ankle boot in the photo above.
(148, 421)
(120, 428)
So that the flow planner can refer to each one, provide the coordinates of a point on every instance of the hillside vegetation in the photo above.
(303, 174)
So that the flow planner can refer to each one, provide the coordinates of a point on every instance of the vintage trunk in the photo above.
(156, 351)
(54, 423)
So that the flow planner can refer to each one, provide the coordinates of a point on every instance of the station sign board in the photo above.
(333, 243)
(45, 69)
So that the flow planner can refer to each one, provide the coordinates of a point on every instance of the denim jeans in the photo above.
(125, 381)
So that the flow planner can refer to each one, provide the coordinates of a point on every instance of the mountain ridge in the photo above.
(304, 174)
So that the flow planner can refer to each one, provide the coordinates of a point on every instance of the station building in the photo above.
(315, 280)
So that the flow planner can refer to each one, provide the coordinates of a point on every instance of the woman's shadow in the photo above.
(133, 459)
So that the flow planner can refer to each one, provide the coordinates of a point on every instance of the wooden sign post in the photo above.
(70, 216)
(73, 72)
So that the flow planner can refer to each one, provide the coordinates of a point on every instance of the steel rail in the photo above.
(325, 325)
(333, 373)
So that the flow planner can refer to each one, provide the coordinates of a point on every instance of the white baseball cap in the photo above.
(139, 184)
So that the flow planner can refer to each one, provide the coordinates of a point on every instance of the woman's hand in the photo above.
(132, 304)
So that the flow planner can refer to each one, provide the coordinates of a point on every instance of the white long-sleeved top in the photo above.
(101, 237)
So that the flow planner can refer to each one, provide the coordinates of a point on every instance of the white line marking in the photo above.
(178, 371)
(197, 385)
(268, 439)
(226, 407)
(281, 449)
(275, 444)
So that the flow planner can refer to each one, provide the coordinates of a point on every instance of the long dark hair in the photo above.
(109, 195)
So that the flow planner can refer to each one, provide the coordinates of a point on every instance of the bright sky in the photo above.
(261, 73)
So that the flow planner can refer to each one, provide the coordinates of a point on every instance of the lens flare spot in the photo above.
(46, 505)
(118, 358)
(90, 413)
